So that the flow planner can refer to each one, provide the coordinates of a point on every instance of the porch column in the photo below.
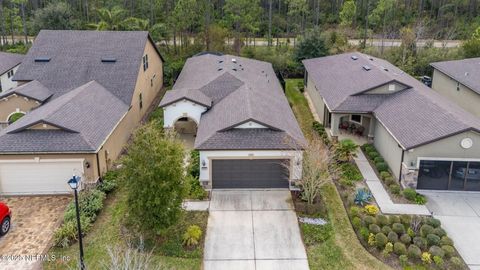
(371, 129)
(335, 122)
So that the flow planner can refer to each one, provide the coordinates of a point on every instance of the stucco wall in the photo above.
(251, 124)
(464, 97)
(385, 89)
(317, 100)
(388, 147)
(445, 148)
(13, 104)
(6, 82)
(208, 156)
(182, 108)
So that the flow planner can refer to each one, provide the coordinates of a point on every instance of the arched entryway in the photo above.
(186, 129)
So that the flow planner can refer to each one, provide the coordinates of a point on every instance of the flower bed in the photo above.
(407, 195)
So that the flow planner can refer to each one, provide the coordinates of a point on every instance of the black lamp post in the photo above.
(73, 183)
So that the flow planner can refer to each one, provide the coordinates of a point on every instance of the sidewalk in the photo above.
(386, 205)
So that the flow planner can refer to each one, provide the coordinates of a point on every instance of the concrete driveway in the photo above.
(253, 230)
(34, 220)
(459, 213)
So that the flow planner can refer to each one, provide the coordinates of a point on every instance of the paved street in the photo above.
(253, 230)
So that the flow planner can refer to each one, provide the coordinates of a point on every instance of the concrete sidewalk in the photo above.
(385, 203)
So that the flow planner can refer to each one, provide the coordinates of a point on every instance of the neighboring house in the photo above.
(235, 111)
(428, 141)
(459, 81)
(9, 63)
(83, 94)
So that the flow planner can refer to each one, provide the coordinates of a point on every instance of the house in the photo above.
(9, 63)
(82, 94)
(234, 111)
(428, 141)
(459, 81)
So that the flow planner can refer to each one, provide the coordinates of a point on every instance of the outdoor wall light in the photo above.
(204, 163)
(87, 164)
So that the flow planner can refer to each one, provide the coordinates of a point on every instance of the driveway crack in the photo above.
(253, 232)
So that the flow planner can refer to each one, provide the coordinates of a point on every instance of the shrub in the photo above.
(362, 196)
(357, 223)
(195, 190)
(378, 160)
(380, 240)
(410, 232)
(435, 223)
(456, 262)
(386, 229)
(381, 166)
(355, 211)
(392, 237)
(109, 181)
(446, 241)
(364, 233)
(390, 181)
(394, 189)
(414, 252)
(371, 209)
(315, 234)
(374, 228)
(436, 251)
(438, 261)
(440, 232)
(399, 248)
(192, 236)
(420, 242)
(433, 239)
(382, 220)
(67, 234)
(426, 258)
(371, 239)
(384, 175)
(420, 199)
(350, 171)
(394, 219)
(369, 220)
(398, 228)
(406, 239)
(448, 250)
(372, 154)
(388, 249)
(403, 260)
(425, 230)
(346, 182)
(406, 220)
(409, 194)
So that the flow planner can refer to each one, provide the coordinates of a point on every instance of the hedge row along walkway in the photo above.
(386, 205)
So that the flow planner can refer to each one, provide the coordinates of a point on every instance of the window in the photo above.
(140, 101)
(10, 73)
(391, 87)
(449, 175)
(145, 62)
(357, 118)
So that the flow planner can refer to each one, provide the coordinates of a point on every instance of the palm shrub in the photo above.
(345, 150)
(155, 178)
(192, 236)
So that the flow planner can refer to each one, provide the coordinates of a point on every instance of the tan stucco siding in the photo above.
(385, 89)
(13, 103)
(317, 100)
(446, 148)
(90, 174)
(388, 147)
(464, 97)
(116, 142)
(42, 126)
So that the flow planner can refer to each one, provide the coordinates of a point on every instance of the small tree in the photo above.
(471, 47)
(311, 46)
(345, 150)
(347, 14)
(154, 175)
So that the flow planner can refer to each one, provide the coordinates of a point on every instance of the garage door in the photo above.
(449, 175)
(42, 177)
(246, 173)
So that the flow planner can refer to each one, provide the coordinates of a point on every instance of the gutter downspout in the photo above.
(98, 168)
(401, 162)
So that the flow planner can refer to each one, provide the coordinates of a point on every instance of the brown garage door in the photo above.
(246, 173)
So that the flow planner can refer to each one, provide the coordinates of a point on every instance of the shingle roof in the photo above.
(241, 90)
(414, 116)
(82, 117)
(9, 61)
(465, 71)
(34, 90)
(190, 94)
(75, 59)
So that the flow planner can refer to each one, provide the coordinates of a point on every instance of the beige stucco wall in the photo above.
(464, 97)
(388, 147)
(42, 126)
(384, 89)
(317, 100)
(10, 105)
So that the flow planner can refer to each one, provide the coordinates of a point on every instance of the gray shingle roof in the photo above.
(9, 61)
(190, 94)
(241, 90)
(75, 59)
(83, 117)
(33, 90)
(465, 71)
(414, 116)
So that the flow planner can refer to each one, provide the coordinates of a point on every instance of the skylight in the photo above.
(367, 68)
(354, 57)
(109, 60)
(42, 59)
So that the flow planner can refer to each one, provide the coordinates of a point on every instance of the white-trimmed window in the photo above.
(10, 74)
(356, 118)
(145, 62)
(391, 87)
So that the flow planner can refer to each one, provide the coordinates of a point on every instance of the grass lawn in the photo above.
(106, 232)
(341, 249)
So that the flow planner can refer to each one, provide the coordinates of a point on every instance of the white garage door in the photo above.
(38, 177)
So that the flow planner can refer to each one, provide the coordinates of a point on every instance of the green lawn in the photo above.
(342, 249)
(106, 232)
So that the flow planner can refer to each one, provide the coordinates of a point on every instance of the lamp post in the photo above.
(74, 183)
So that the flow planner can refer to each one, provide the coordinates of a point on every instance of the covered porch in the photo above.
(359, 128)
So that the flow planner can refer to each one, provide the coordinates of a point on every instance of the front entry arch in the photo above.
(186, 129)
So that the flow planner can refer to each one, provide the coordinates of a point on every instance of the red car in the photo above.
(5, 216)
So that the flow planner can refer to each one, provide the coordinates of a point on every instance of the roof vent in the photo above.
(234, 60)
(42, 59)
(466, 74)
(109, 60)
(384, 68)
(220, 61)
(354, 57)
(371, 58)
(367, 68)
(219, 69)
(234, 69)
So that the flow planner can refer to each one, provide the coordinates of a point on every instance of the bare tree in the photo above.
(130, 258)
